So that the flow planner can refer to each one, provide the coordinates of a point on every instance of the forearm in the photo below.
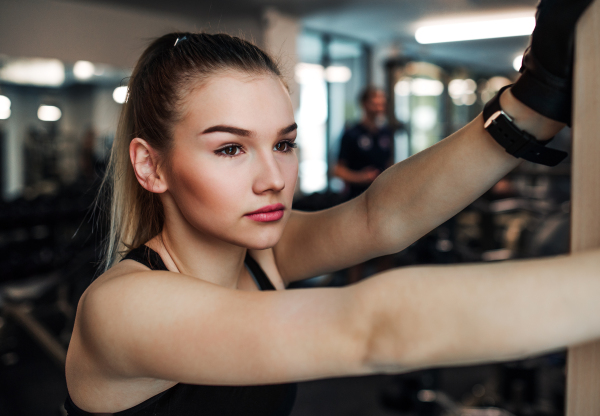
(434, 316)
(416, 195)
(349, 175)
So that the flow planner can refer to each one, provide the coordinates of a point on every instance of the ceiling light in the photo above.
(309, 73)
(402, 88)
(459, 87)
(83, 70)
(4, 102)
(454, 31)
(420, 87)
(4, 107)
(120, 94)
(339, 74)
(517, 63)
(49, 113)
(426, 87)
(36, 71)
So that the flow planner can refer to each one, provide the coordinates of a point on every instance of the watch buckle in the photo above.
(492, 118)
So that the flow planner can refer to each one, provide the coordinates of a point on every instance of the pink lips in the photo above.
(267, 213)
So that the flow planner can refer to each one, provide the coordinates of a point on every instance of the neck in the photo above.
(190, 252)
(369, 121)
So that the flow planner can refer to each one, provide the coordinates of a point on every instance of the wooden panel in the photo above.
(583, 368)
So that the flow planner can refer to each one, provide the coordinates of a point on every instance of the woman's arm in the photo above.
(439, 316)
(406, 201)
(167, 326)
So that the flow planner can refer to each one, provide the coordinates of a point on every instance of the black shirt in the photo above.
(190, 399)
(361, 148)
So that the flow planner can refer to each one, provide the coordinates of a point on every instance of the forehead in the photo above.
(253, 102)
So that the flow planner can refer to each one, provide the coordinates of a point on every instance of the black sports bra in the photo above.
(190, 399)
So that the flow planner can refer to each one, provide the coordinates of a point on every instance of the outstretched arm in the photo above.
(436, 316)
(406, 201)
(398, 321)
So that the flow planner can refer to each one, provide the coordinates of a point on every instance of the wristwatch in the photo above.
(516, 141)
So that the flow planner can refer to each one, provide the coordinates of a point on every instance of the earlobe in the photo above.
(145, 165)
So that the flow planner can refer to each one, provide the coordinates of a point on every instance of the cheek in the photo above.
(288, 165)
(200, 188)
(291, 175)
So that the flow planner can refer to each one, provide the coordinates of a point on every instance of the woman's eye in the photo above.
(285, 146)
(230, 150)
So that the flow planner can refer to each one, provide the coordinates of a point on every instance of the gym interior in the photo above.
(64, 66)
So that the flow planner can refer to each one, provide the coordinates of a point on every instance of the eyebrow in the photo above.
(288, 129)
(246, 133)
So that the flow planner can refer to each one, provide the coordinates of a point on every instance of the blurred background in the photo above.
(64, 67)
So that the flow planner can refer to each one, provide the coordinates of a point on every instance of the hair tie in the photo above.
(180, 39)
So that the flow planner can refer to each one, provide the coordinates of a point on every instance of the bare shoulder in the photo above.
(125, 302)
(102, 323)
(107, 303)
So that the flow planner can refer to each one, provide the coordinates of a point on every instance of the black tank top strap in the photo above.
(151, 259)
(148, 257)
(258, 274)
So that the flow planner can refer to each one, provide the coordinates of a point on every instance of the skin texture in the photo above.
(139, 332)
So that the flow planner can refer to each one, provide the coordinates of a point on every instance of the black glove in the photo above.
(546, 81)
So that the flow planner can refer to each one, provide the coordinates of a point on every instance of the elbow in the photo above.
(397, 338)
(383, 355)
(382, 348)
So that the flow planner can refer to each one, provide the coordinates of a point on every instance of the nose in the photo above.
(268, 174)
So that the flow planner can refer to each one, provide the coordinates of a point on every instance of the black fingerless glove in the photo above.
(546, 81)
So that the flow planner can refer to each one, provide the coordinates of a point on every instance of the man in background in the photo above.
(366, 148)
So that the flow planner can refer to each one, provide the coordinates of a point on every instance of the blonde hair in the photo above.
(157, 86)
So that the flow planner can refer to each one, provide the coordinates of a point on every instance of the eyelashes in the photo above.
(232, 150)
(289, 145)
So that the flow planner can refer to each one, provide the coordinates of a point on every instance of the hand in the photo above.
(369, 174)
(547, 71)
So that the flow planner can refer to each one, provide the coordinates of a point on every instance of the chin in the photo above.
(262, 244)
(262, 241)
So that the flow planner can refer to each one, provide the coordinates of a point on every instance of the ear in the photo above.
(145, 165)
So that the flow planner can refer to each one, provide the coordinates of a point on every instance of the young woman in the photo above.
(195, 318)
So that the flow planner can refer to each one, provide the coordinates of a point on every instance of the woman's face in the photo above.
(233, 155)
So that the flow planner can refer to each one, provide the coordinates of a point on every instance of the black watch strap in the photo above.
(516, 141)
